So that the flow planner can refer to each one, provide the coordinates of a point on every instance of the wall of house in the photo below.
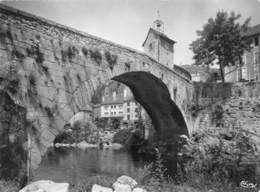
(152, 40)
(166, 53)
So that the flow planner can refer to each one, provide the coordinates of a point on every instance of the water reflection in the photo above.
(74, 165)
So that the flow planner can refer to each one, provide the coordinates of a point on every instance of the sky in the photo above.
(127, 21)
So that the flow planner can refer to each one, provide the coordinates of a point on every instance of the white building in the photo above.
(118, 101)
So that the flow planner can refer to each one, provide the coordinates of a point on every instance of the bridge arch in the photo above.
(58, 69)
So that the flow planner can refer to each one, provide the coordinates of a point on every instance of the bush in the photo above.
(111, 59)
(96, 56)
(226, 155)
(84, 51)
(34, 51)
(8, 186)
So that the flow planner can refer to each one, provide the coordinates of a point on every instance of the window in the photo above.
(256, 41)
(106, 91)
(244, 59)
(128, 117)
(128, 109)
(114, 95)
(128, 103)
(127, 67)
(244, 73)
(136, 109)
(256, 57)
(150, 47)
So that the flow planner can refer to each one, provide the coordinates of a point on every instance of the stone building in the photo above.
(118, 101)
(250, 70)
(159, 46)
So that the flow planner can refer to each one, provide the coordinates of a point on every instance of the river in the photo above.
(75, 165)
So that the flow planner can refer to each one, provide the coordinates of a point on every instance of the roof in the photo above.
(193, 69)
(160, 34)
(255, 30)
(118, 88)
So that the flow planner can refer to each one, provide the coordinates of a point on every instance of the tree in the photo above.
(221, 41)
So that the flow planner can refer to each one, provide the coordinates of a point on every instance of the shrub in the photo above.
(48, 111)
(84, 51)
(96, 56)
(70, 53)
(64, 56)
(13, 86)
(226, 155)
(19, 55)
(34, 51)
(6, 35)
(32, 84)
(111, 59)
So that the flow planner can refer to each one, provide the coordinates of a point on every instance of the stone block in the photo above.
(46, 186)
(99, 188)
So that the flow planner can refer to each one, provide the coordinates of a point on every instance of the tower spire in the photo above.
(158, 23)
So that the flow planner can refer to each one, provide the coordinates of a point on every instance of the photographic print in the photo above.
(129, 96)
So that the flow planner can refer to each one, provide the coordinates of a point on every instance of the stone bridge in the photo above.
(53, 71)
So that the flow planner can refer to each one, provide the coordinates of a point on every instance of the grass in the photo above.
(8, 186)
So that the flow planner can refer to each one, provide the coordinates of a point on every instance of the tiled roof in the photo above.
(195, 69)
(255, 30)
(162, 35)
(119, 98)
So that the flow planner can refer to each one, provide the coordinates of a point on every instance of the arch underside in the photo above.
(154, 96)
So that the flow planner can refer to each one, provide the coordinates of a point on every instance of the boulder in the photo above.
(119, 187)
(46, 186)
(127, 180)
(99, 188)
(139, 189)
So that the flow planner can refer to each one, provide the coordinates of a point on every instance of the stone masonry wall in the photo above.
(58, 70)
(240, 103)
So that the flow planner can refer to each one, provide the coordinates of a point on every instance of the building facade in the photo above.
(159, 46)
(250, 71)
(118, 101)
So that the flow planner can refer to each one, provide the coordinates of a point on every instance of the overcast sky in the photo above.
(127, 21)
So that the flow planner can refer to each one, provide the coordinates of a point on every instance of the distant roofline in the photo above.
(160, 34)
(252, 31)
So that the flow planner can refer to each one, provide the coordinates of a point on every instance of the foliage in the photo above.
(9, 186)
(72, 51)
(34, 51)
(101, 123)
(5, 34)
(48, 111)
(124, 137)
(10, 80)
(18, 54)
(32, 89)
(217, 115)
(84, 51)
(96, 56)
(221, 41)
(111, 59)
(224, 155)
(69, 54)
